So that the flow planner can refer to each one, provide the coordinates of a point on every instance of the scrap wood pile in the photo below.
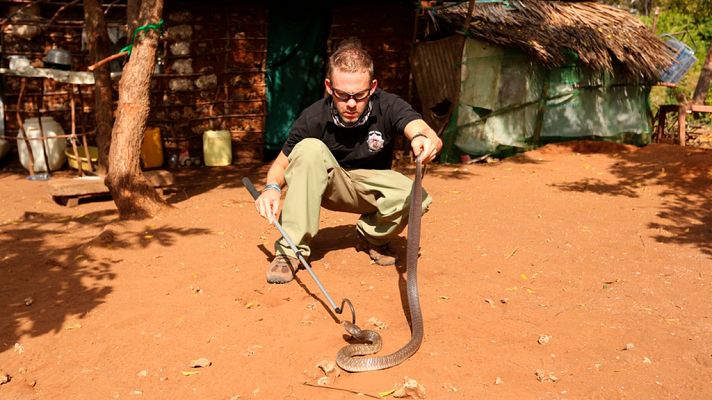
(549, 30)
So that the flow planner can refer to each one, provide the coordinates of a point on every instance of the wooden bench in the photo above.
(68, 191)
(682, 110)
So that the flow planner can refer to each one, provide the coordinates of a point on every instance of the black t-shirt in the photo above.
(369, 146)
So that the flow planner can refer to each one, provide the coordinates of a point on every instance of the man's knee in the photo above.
(308, 148)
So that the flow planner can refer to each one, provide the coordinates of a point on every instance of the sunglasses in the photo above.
(346, 96)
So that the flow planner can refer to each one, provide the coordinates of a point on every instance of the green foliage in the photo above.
(697, 9)
(693, 27)
(694, 32)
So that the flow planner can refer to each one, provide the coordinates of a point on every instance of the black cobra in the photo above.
(347, 358)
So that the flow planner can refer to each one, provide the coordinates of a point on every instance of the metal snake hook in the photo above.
(255, 194)
(339, 310)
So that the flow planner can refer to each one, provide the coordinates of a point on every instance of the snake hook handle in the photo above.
(255, 194)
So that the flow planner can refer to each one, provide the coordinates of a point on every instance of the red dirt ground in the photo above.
(605, 249)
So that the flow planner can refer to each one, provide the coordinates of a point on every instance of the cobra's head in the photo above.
(351, 328)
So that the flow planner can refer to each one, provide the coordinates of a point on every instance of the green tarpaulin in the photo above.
(296, 48)
(509, 103)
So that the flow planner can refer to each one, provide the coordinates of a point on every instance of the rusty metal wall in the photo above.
(436, 72)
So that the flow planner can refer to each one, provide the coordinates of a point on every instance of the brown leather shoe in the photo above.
(381, 255)
(282, 269)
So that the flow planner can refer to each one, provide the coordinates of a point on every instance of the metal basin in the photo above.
(58, 57)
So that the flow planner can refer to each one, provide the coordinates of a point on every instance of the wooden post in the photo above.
(84, 134)
(87, 153)
(681, 115)
(655, 19)
(73, 137)
(45, 145)
(23, 82)
(113, 57)
(660, 129)
(470, 9)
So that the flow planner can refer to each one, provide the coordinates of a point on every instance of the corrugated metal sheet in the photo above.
(436, 71)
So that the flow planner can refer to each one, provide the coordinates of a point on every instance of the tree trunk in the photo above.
(131, 18)
(133, 194)
(99, 48)
(703, 83)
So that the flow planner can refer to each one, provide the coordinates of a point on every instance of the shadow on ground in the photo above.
(48, 284)
(192, 182)
(685, 175)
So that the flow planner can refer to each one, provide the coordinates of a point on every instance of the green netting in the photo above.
(508, 103)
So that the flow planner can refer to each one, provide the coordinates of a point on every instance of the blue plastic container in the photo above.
(684, 60)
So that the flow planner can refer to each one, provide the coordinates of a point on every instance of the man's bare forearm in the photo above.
(275, 174)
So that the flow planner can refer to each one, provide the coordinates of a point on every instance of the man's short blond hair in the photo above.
(350, 56)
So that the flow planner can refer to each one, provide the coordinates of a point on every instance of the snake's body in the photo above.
(347, 358)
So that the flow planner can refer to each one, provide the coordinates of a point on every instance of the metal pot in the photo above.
(58, 56)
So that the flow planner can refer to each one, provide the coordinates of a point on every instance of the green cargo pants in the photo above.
(315, 179)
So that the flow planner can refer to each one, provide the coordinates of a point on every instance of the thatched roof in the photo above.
(598, 33)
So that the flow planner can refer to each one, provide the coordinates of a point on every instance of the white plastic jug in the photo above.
(217, 148)
(55, 147)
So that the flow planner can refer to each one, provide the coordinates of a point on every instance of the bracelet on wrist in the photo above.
(272, 186)
(420, 134)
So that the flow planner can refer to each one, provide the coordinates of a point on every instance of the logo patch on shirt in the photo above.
(375, 141)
